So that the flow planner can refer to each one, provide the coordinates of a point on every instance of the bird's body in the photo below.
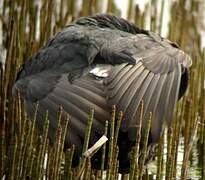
(138, 64)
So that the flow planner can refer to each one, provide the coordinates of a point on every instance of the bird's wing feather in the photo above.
(154, 79)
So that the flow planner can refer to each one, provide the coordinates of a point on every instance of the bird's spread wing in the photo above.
(146, 68)
(155, 80)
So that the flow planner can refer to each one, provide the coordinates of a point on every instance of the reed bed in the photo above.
(25, 154)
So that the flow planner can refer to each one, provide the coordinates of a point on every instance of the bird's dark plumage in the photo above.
(140, 66)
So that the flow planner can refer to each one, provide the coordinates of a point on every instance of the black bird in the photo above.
(138, 65)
